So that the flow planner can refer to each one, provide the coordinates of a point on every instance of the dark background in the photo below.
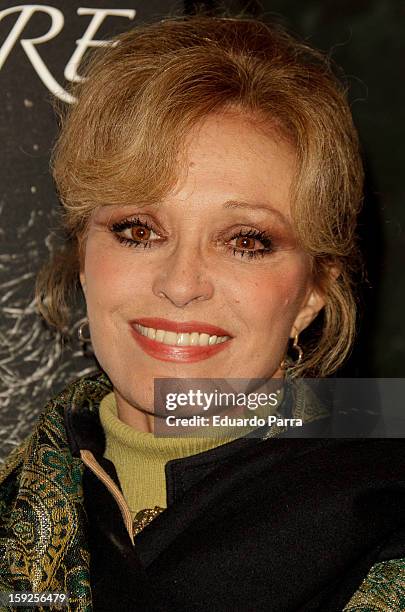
(366, 37)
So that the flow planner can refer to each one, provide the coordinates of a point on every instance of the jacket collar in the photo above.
(81, 414)
(84, 430)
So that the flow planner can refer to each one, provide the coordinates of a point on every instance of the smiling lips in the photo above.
(182, 342)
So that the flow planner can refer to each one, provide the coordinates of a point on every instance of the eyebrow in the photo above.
(236, 204)
(233, 204)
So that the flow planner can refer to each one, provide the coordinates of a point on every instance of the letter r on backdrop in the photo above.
(28, 44)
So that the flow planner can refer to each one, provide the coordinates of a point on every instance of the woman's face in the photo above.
(215, 261)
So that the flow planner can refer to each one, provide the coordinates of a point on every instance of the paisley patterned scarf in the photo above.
(42, 527)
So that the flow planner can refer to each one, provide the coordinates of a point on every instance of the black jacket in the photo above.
(255, 525)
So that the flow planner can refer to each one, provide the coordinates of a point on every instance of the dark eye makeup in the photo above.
(250, 243)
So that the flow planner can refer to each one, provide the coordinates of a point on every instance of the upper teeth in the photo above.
(181, 339)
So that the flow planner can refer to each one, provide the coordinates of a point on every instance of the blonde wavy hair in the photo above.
(142, 95)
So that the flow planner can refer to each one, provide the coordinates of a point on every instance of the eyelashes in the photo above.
(250, 237)
(140, 232)
(135, 233)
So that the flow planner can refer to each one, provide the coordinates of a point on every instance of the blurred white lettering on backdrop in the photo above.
(29, 45)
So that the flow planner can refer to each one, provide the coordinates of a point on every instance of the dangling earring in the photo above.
(81, 331)
(286, 362)
(298, 349)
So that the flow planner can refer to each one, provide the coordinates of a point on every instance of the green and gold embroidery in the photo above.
(383, 589)
(42, 540)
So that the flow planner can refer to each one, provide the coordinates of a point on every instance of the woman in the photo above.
(211, 180)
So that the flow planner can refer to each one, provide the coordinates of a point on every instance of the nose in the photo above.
(183, 279)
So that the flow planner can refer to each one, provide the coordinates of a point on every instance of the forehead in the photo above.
(230, 156)
(230, 162)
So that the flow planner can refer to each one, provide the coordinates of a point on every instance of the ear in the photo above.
(311, 307)
(83, 281)
(81, 246)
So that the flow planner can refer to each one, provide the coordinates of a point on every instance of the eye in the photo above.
(252, 243)
(140, 233)
(246, 243)
(134, 232)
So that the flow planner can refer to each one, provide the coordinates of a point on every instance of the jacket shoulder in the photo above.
(10, 471)
(14, 461)
(383, 589)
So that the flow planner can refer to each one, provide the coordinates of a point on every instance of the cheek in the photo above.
(273, 291)
(101, 274)
(111, 277)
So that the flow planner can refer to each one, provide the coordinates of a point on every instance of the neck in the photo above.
(141, 420)
(144, 420)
